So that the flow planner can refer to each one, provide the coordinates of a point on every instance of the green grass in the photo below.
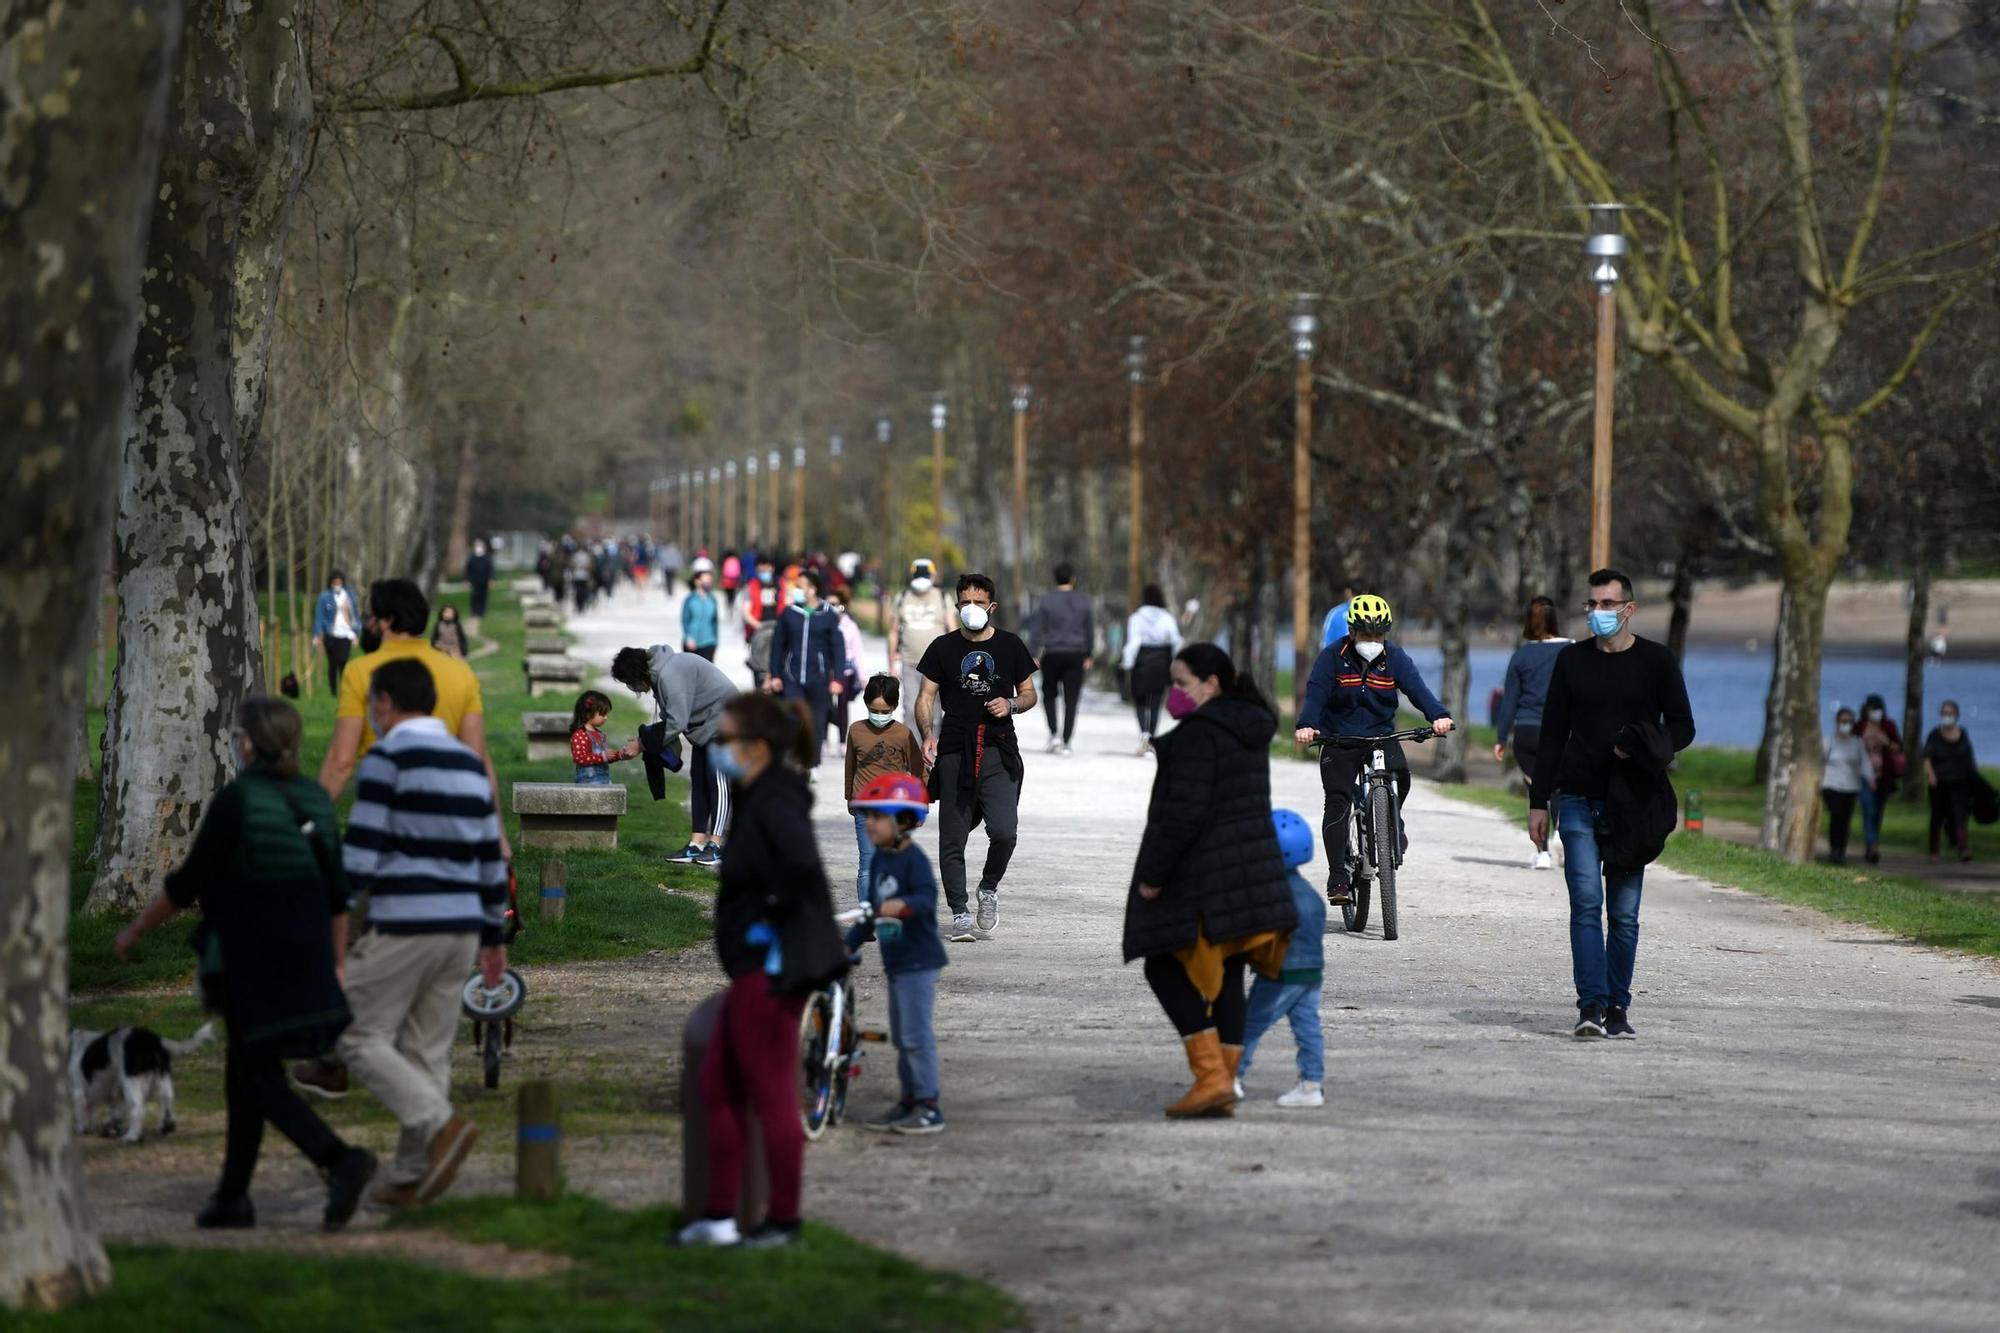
(1899, 904)
(624, 1279)
(1723, 777)
(615, 908)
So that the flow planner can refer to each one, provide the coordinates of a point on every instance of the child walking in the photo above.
(1295, 993)
(587, 745)
(877, 747)
(902, 902)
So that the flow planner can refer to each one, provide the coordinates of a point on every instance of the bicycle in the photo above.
(492, 1008)
(830, 1052)
(1374, 843)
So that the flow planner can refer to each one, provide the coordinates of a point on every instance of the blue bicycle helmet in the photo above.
(1295, 837)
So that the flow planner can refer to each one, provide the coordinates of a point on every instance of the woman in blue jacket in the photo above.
(1523, 696)
(808, 653)
(336, 625)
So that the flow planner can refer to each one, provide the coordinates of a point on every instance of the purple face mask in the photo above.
(1180, 703)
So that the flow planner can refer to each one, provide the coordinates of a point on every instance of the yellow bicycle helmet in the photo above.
(1370, 614)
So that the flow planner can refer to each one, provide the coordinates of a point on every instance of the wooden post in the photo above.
(1136, 440)
(1021, 502)
(1600, 454)
(555, 888)
(537, 1142)
(1304, 628)
(773, 533)
(798, 499)
(937, 488)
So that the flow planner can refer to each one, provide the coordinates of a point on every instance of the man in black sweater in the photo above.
(1063, 636)
(1601, 685)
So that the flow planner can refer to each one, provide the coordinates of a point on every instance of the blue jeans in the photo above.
(1272, 1000)
(1871, 815)
(593, 775)
(912, 997)
(867, 858)
(1603, 969)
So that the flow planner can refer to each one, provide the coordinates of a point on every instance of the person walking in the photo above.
(265, 870)
(423, 841)
(921, 613)
(689, 693)
(777, 942)
(1952, 773)
(732, 577)
(1152, 637)
(700, 616)
(479, 577)
(1608, 698)
(877, 747)
(1849, 773)
(975, 679)
(448, 637)
(1062, 634)
(1209, 897)
(671, 561)
(1352, 693)
(1296, 992)
(808, 654)
(1524, 695)
(336, 625)
(1884, 742)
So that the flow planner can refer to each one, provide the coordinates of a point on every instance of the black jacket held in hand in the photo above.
(1640, 809)
(1209, 845)
(771, 872)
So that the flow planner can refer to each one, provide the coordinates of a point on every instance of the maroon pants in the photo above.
(753, 1061)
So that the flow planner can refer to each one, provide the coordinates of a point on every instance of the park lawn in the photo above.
(616, 906)
(623, 1277)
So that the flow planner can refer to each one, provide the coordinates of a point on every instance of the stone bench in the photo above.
(541, 618)
(548, 735)
(546, 645)
(550, 674)
(527, 585)
(561, 816)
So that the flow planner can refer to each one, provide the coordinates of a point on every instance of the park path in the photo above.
(1806, 1135)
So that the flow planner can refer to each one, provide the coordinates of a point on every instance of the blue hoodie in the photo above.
(807, 650)
(1348, 696)
(904, 874)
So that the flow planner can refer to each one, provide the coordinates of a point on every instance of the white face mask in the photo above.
(920, 584)
(880, 720)
(1843, 728)
(973, 616)
(1874, 715)
(1369, 651)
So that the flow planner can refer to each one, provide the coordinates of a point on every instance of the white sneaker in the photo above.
(717, 1231)
(961, 928)
(1064, 750)
(1305, 1095)
(989, 908)
(1054, 746)
(1239, 1089)
(1543, 861)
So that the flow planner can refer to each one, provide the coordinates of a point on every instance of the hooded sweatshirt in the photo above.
(1150, 627)
(690, 692)
(808, 650)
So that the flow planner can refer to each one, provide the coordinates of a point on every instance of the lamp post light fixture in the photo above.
(1020, 404)
(1606, 250)
(1303, 324)
(938, 418)
(835, 446)
(715, 502)
(684, 515)
(700, 511)
(885, 432)
(753, 522)
(1135, 438)
(773, 462)
(798, 497)
(729, 511)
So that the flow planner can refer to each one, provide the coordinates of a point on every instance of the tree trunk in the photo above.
(1781, 635)
(82, 93)
(1270, 597)
(188, 652)
(1454, 633)
(1681, 598)
(1791, 802)
(459, 538)
(1916, 647)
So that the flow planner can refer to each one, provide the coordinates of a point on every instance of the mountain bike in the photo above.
(830, 1052)
(1374, 842)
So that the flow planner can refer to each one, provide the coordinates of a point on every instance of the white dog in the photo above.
(117, 1071)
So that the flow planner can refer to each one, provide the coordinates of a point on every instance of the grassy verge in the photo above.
(1898, 904)
(623, 1278)
(616, 908)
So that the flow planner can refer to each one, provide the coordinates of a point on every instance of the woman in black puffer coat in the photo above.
(1209, 897)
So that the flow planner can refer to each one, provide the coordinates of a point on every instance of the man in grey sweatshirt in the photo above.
(689, 693)
(1062, 634)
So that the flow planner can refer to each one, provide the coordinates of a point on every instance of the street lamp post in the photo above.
(798, 499)
(1021, 499)
(836, 497)
(715, 498)
(683, 513)
(1304, 326)
(729, 504)
(937, 466)
(700, 516)
(1606, 248)
(753, 526)
(773, 461)
(885, 433)
(1135, 373)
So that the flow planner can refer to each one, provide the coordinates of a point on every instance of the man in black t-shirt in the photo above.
(1601, 693)
(976, 678)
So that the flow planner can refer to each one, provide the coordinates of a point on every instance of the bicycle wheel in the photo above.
(1355, 915)
(491, 1054)
(816, 1103)
(1382, 816)
(843, 1068)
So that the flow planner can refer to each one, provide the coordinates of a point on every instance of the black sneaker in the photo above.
(686, 856)
(1589, 1021)
(920, 1119)
(237, 1214)
(774, 1235)
(345, 1180)
(1615, 1024)
(1339, 894)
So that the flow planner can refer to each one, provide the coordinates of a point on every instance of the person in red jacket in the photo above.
(587, 745)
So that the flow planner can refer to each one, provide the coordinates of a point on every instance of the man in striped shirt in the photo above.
(424, 841)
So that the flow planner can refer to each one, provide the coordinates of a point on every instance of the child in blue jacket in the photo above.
(1295, 992)
(902, 898)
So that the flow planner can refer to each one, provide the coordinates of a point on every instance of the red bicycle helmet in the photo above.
(895, 793)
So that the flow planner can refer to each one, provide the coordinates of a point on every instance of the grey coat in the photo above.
(690, 692)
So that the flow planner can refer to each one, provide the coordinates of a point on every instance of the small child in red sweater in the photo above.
(586, 741)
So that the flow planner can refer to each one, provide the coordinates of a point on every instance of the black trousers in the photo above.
(1951, 814)
(819, 701)
(705, 654)
(337, 650)
(1147, 706)
(1062, 679)
(254, 1091)
(479, 591)
(1839, 818)
(1339, 769)
(1186, 1008)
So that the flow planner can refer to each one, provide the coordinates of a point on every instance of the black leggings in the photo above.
(1148, 708)
(1062, 682)
(254, 1090)
(337, 650)
(1839, 819)
(1951, 814)
(1185, 1007)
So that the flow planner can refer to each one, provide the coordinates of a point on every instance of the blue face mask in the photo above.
(722, 758)
(1605, 624)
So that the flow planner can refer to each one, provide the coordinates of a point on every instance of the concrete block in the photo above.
(541, 617)
(562, 816)
(548, 735)
(547, 645)
(522, 585)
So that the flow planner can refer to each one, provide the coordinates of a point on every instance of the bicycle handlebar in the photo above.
(1359, 742)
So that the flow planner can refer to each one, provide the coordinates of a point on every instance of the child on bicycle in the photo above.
(1294, 993)
(902, 896)
(1352, 693)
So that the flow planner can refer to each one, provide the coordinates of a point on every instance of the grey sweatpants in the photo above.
(997, 801)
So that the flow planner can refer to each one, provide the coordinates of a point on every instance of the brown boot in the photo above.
(1232, 1057)
(1213, 1086)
